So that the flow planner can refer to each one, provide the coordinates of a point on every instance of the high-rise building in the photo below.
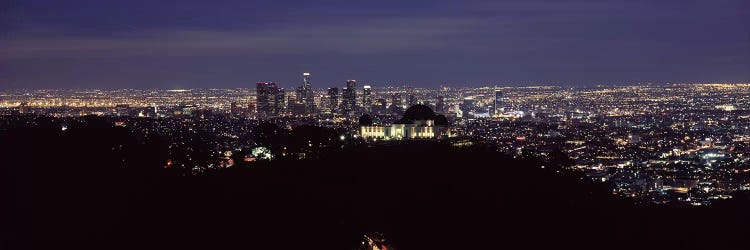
(349, 100)
(397, 106)
(467, 106)
(367, 99)
(305, 94)
(295, 105)
(306, 80)
(264, 98)
(333, 97)
(269, 99)
(498, 104)
(299, 96)
(279, 104)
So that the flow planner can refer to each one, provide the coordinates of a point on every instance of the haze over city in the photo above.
(228, 44)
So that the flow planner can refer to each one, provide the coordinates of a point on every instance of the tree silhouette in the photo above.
(365, 120)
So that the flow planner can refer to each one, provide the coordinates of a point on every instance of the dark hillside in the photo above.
(99, 186)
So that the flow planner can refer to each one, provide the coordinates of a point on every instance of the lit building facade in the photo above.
(367, 99)
(267, 99)
(418, 122)
(349, 102)
(467, 107)
(498, 103)
(305, 95)
(333, 97)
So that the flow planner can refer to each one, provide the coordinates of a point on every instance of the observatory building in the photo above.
(418, 122)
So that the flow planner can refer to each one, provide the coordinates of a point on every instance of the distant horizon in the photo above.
(377, 86)
(230, 44)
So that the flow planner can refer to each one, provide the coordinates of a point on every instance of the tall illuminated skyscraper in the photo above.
(279, 102)
(265, 93)
(305, 94)
(367, 99)
(306, 80)
(333, 97)
(349, 100)
(397, 106)
(498, 104)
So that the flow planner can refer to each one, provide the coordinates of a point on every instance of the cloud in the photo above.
(540, 6)
(375, 36)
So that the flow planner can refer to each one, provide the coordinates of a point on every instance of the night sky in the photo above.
(227, 44)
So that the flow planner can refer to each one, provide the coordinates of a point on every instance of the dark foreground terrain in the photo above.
(101, 187)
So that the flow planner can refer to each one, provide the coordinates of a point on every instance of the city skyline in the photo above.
(678, 144)
(375, 125)
(251, 85)
(234, 44)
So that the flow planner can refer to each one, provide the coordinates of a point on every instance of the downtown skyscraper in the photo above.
(269, 99)
(397, 106)
(305, 94)
(497, 105)
(333, 98)
(349, 101)
(367, 99)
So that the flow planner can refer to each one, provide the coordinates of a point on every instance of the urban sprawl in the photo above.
(656, 143)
